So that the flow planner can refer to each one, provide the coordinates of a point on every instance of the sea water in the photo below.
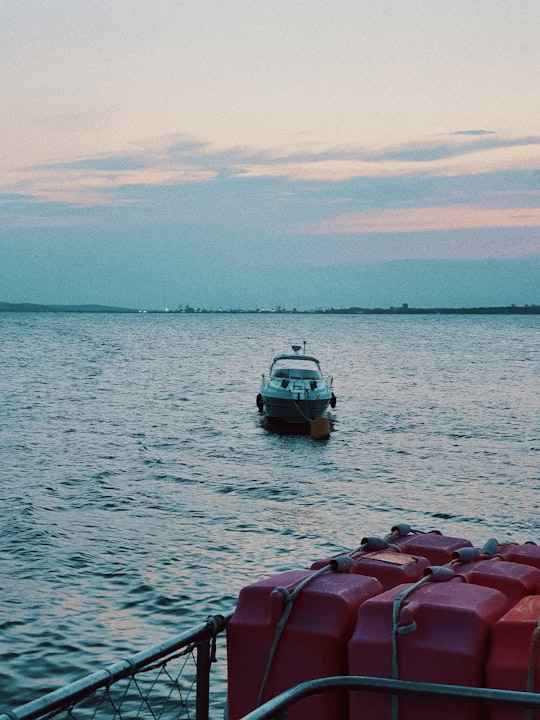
(140, 489)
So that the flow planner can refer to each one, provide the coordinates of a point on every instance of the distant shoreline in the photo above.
(401, 310)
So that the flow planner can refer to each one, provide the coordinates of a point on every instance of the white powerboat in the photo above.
(295, 390)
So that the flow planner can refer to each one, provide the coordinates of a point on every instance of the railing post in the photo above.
(204, 661)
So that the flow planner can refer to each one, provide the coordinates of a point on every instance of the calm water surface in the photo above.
(140, 490)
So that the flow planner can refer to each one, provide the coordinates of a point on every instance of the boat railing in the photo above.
(170, 680)
(276, 708)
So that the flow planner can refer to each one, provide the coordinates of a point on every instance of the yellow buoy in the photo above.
(320, 428)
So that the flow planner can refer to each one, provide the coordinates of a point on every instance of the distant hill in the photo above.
(402, 310)
(33, 307)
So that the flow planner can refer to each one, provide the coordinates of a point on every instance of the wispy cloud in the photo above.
(189, 161)
(473, 132)
(449, 217)
(440, 157)
(475, 180)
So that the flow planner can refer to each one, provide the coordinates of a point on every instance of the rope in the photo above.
(289, 597)
(300, 411)
(401, 630)
(432, 574)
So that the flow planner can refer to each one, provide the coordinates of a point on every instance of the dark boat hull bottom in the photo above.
(295, 411)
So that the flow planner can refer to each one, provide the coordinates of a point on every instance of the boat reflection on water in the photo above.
(284, 428)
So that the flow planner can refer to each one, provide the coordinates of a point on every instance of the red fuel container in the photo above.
(510, 655)
(313, 643)
(390, 567)
(449, 626)
(432, 545)
(514, 580)
(526, 554)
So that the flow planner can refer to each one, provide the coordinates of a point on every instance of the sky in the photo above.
(245, 154)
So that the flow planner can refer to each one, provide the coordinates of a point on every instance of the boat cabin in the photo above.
(296, 367)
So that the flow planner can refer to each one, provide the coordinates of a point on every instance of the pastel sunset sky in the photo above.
(255, 153)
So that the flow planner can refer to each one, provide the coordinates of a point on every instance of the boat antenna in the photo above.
(304, 347)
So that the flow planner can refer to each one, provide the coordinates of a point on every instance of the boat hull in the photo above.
(294, 410)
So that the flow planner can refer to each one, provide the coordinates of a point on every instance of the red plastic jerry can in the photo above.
(526, 554)
(313, 643)
(447, 626)
(435, 547)
(388, 565)
(514, 580)
(511, 655)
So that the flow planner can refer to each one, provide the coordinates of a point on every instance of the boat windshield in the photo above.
(296, 369)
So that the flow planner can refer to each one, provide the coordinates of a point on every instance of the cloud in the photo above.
(180, 160)
(441, 149)
(473, 132)
(436, 158)
(449, 217)
(483, 182)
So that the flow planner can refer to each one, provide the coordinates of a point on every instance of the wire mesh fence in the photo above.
(170, 681)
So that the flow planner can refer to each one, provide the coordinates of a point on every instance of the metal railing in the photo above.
(276, 708)
(170, 680)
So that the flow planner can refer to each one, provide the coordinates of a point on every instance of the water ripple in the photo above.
(142, 490)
